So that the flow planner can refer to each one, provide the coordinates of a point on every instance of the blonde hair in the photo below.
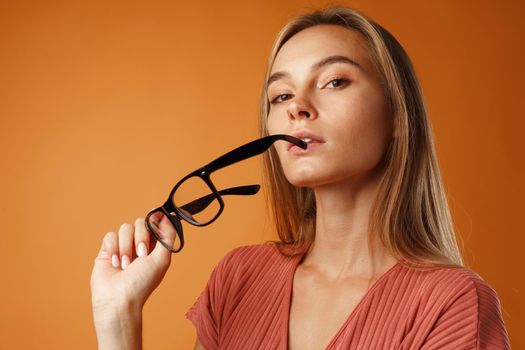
(410, 215)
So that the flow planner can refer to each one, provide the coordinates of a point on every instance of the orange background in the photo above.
(104, 105)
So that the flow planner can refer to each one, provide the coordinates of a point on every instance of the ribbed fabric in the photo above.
(246, 305)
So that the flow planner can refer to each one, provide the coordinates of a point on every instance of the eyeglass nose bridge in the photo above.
(204, 174)
(175, 214)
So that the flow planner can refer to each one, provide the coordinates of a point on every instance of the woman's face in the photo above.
(324, 87)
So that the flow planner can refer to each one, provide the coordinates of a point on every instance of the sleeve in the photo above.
(207, 312)
(203, 315)
(472, 320)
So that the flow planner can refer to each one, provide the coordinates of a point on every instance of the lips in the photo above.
(309, 137)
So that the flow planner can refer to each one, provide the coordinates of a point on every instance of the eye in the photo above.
(280, 98)
(337, 82)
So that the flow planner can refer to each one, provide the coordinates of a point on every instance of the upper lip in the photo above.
(300, 134)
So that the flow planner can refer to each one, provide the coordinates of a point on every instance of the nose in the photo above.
(301, 108)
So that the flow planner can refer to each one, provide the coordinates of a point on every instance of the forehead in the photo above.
(314, 43)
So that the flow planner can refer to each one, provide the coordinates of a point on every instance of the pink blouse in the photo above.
(246, 305)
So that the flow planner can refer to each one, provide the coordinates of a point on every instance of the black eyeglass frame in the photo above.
(175, 214)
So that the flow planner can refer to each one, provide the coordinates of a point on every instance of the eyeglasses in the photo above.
(196, 200)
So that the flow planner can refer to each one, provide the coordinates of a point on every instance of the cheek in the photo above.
(270, 124)
(274, 126)
(370, 118)
(273, 123)
(378, 108)
(361, 131)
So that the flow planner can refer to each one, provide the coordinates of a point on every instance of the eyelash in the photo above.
(344, 81)
(274, 101)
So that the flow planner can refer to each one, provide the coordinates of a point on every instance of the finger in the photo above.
(102, 250)
(163, 229)
(168, 234)
(110, 244)
(125, 241)
(142, 238)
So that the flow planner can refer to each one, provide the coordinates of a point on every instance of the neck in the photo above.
(343, 246)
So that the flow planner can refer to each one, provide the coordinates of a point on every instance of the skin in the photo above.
(345, 105)
(119, 289)
(342, 103)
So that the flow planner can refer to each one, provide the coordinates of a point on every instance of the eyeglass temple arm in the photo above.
(251, 149)
(202, 203)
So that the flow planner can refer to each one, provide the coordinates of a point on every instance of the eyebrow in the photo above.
(322, 63)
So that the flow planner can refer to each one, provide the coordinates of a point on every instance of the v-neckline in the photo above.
(289, 291)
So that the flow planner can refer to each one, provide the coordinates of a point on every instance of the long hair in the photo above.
(410, 214)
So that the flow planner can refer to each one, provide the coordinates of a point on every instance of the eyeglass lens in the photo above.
(196, 202)
(190, 199)
(163, 230)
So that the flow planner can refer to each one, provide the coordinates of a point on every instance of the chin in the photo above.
(305, 179)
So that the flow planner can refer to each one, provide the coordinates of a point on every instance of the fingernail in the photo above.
(114, 260)
(125, 262)
(141, 250)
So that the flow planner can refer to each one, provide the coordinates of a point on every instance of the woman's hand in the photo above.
(129, 266)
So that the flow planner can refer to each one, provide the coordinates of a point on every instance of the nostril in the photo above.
(305, 113)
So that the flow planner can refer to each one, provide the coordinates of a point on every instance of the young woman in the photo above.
(367, 257)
